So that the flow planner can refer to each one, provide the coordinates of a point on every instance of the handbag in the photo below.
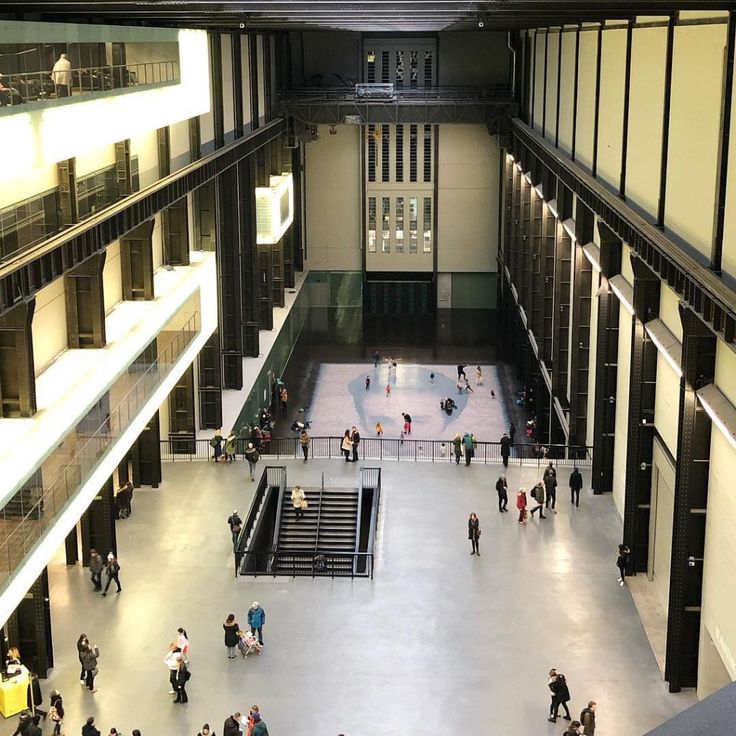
(304, 504)
(95, 672)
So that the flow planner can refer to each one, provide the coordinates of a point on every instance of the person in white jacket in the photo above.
(61, 75)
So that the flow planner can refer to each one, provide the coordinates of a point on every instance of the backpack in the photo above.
(584, 712)
(213, 442)
(534, 493)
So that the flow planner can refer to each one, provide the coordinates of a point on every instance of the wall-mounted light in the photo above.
(666, 343)
(624, 291)
(274, 209)
(721, 411)
(593, 254)
(569, 226)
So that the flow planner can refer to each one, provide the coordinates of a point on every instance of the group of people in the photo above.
(560, 697)
(223, 449)
(111, 568)
(349, 445)
(464, 446)
(248, 641)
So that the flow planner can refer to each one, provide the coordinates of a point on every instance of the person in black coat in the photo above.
(512, 432)
(89, 728)
(232, 725)
(182, 677)
(474, 533)
(505, 449)
(576, 485)
(56, 711)
(502, 490)
(560, 695)
(34, 698)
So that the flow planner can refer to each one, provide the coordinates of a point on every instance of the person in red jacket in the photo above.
(521, 505)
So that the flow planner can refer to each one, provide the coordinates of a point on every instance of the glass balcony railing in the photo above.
(32, 509)
(20, 89)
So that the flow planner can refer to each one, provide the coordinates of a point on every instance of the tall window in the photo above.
(399, 224)
(427, 244)
(399, 69)
(413, 69)
(371, 224)
(399, 153)
(427, 68)
(28, 222)
(371, 153)
(384, 67)
(371, 63)
(385, 224)
(385, 154)
(412, 153)
(413, 215)
(427, 153)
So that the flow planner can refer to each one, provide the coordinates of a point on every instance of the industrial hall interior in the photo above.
(367, 366)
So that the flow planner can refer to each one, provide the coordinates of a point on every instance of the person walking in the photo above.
(407, 422)
(256, 620)
(587, 718)
(182, 677)
(346, 445)
(478, 376)
(622, 562)
(367, 383)
(376, 358)
(560, 695)
(82, 644)
(474, 533)
(549, 470)
(550, 491)
(230, 444)
(216, 445)
(538, 495)
(355, 439)
(231, 727)
(112, 571)
(379, 429)
(96, 566)
(231, 628)
(576, 485)
(502, 490)
(236, 524)
(505, 443)
(468, 447)
(89, 728)
(521, 504)
(89, 657)
(461, 371)
(56, 711)
(252, 456)
(457, 445)
(388, 390)
(298, 501)
(512, 432)
(284, 401)
(304, 440)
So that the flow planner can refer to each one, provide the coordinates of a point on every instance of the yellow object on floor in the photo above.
(14, 694)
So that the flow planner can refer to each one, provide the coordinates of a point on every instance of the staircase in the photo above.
(314, 543)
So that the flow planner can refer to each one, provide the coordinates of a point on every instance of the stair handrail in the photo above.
(319, 517)
(279, 511)
(358, 518)
(374, 512)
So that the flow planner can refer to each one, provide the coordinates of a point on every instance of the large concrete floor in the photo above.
(438, 641)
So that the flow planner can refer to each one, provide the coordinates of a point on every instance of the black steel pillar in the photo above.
(691, 502)
(85, 304)
(98, 524)
(17, 371)
(146, 455)
(249, 256)
(237, 84)
(136, 263)
(535, 314)
(253, 68)
(265, 258)
(181, 408)
(204, 210)
(175, 233)
(29, 628)
(299, 225)
(71, 547)
(640, 437)
(67, 173)
(216, 81)
(606, 367)
(209, 385)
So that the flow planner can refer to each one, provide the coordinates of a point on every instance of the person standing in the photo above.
(560, 695)
(82, 643)
(236, 524)
(457, 445)
(367, 382)
(550, 491)
(521, 504)
(56, 711)
(230, 444)
(182, 642)
(505, 443)
(468, 448)
(61, 76)
(478, 376)
(284, 401)
(231, 726)
(89, 728)
(502, 490)
(171, 660)
(252, 456)
(112, 571)
(346, 445)
(622, 562)
(587, 718)
(376, 358)
(298, 501)
(539, 496)
(379, 429)
(461, 372)
(96, 566)
(355, 439)
(205, 731)
(407, 422)
(259, 727)
(474, 533)
(182, 677)
(512, 432)
(231, 628)
(216, 445)
(256, 620)
(576, 485)
(388, 390)
(89, 657)
(304, 440)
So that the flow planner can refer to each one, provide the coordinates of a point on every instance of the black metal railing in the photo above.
(21, 88)
(380, 449)
(308, 564)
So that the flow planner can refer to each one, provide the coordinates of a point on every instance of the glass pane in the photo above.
(371, 224)
(399, 224)
(427, 245)
(413, 214)
(386, 225)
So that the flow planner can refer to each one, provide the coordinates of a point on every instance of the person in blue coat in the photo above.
(256, 619)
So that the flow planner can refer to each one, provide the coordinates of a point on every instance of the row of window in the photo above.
(381, 134)
(394, 221)
(407, 69)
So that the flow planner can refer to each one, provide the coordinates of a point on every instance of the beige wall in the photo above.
(669, 311)
(88, 163)
(49, 325)
(146, 148)
(112, 280)
(228, 107)
(260, 45)
(179, 144)
(667, 403)
(245, 66)
(567, 91)
(157, 241)
(586, 98)
(595, 284)
(553, 45)
(16, 190)
(661, 518)
(623, 378)
(468, 199)
(333, 192)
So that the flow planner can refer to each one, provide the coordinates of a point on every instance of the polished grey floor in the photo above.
(439, 641)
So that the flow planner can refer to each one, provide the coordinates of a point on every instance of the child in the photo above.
(367, 382)
(379, 429)
(388, 390)
(478, 376)
(431, 377)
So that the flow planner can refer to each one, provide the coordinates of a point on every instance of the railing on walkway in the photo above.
(19, 89)
(304, 564)
(379, 449)
(27, 514)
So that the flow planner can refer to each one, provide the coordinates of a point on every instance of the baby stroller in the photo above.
(248, 644)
